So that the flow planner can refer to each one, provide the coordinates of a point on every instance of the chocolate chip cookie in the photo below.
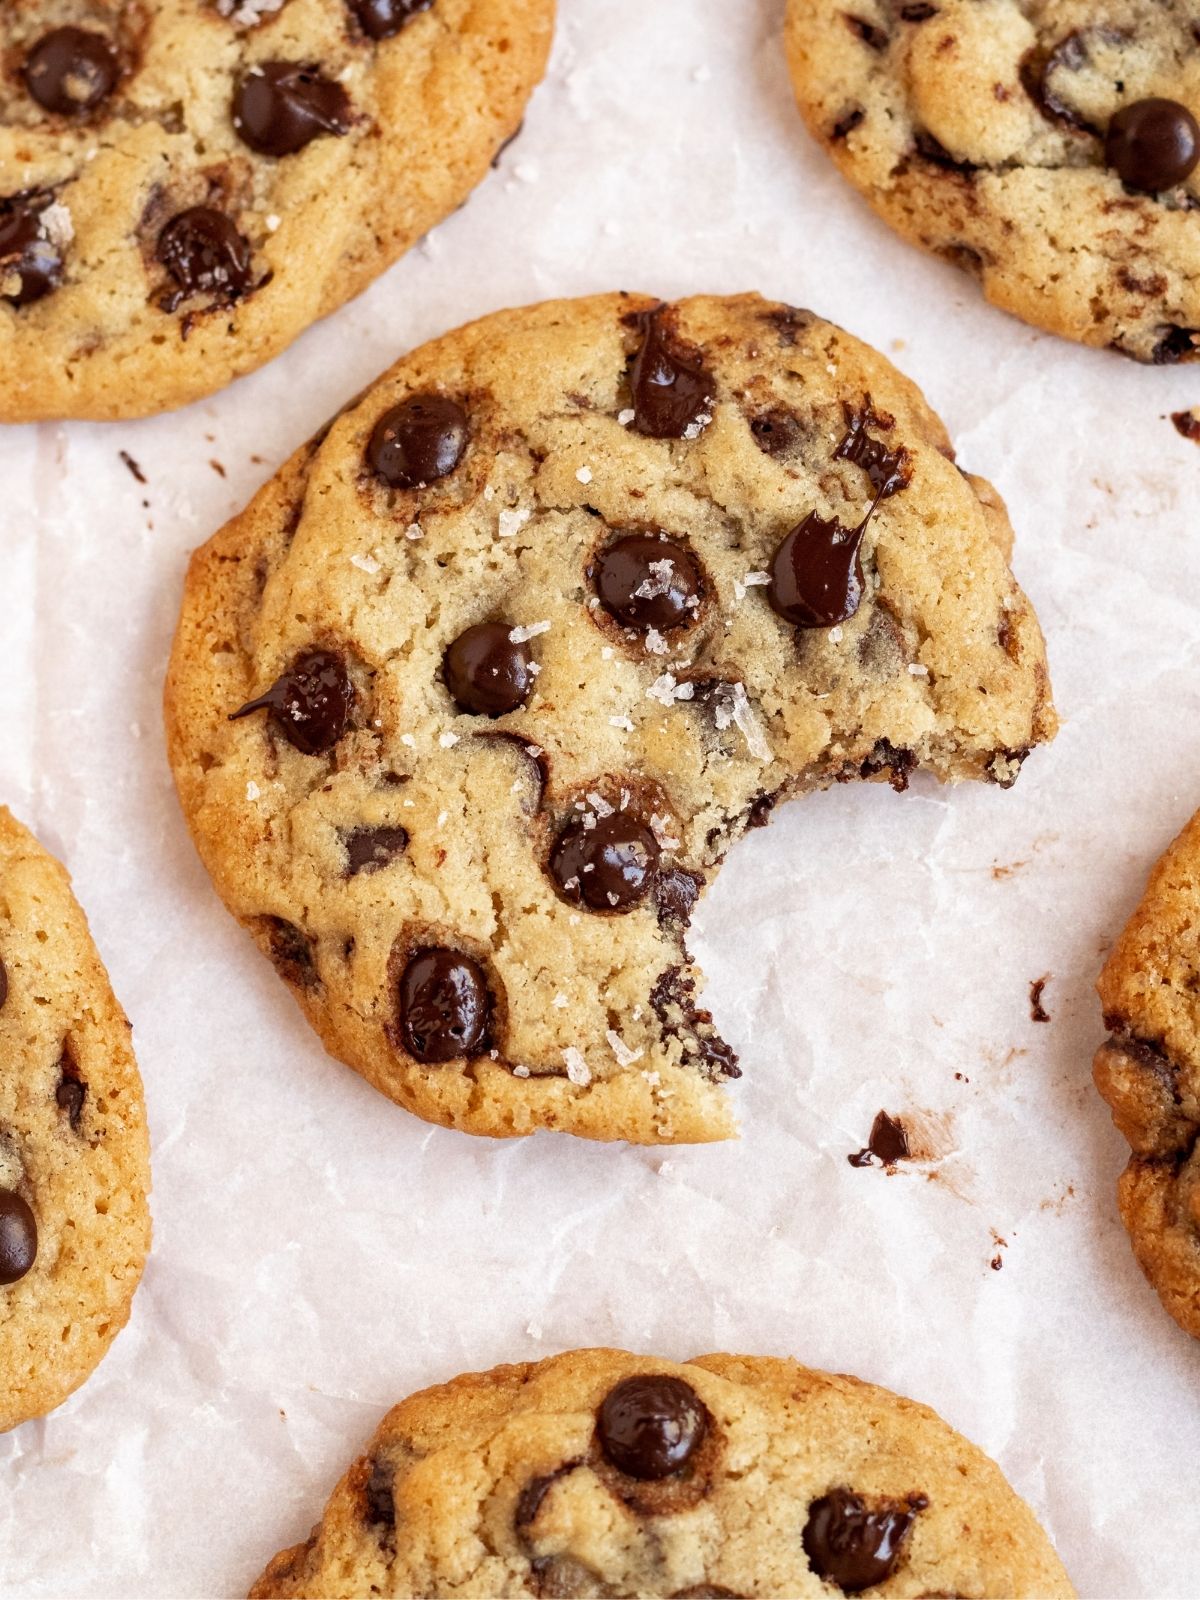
(186, 185)
(74, 1157)
(1049, 147)
(467, 707)
(601, 1473)
(1149, 1072)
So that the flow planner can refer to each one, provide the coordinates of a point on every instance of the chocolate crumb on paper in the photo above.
(1037, 1010)
(132, 465)
(887, 1145)
(1187, 423)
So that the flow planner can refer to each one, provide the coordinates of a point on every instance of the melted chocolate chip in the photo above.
(853, 1546)
(650, 1427)
(671, 389)
(280, 106)
(291, 951)
(534, 753)
(30, 265)
(1153, 144)
(816, 574)
(18, 1237)
(647, 582)
(71, 70)
(205, 254)
(444, 1005)
(418, 441)
(845, 126)
(310, 703)
(487, 671)
(535, 1491)
(370, 849)
(1175, 343)
(71, 1091)
(888, 1143)
(3, 984)
(888, 470)
(381, 19)
(1040, 71)
(609, 866)
(379, 1504)
(675, 895)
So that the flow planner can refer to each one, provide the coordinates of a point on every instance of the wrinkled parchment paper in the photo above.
(318, 1253)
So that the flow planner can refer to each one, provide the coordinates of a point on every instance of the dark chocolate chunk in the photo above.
(888, 470)
(370, 849)
(280, 106)
(291, 950)
(205, 254)
(1175, 343)
(487, 671)
(852, 1545)
(71, 70)
(650, 1427)
(70, 1093)
(379, 1505)
(444, 1005)
(30, 265)
(310, 703)
(675, 895)
(888, 1143)
(18, 1237)
(381, 19)
(646, 582)
(418, 441)
(609, 866)
(671, 389)
(1153, 144)
(816, 573)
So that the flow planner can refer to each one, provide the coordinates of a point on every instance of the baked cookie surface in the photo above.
(74, 1154)
(466, 708)
(603, 1473)
(186, 185)
(1149, 1072)
(1050, 147)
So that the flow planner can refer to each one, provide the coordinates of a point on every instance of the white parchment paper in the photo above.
(318, 1253)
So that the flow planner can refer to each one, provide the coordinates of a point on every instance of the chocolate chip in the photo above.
(444, 1005)
(205, 254)
(675, 895)
(71, 1090)
(776, 433)
(647, 582)
(30, 265)
(888, 470)
(650, 1427)
(1175, 344)
(535, 1491)
(378, 1499)
(3, 984)
(671, 389)
(280, 106)
(875, 38)
(534, 753)
(846, 124)
(380, 19)
(888, 1143)
(291, 950)
(816, 574)
(1153, 144)
(487, 671)
(609, 866)
(855, 1547)
(18, 1237)
(71, 70)
(310, 703)
(885, 757)
(370, 849)
(933, 151)
(418, 441)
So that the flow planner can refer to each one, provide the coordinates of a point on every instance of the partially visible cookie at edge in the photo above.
(186, 185)
(1048, 147)
(74, 1153)
(1149, 1072)
(599, 1473)
(467, 707)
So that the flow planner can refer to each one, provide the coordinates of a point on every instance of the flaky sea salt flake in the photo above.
(577, 1067)
(528, 631)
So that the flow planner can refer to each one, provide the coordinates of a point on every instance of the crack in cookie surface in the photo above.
(645, 690)
(185, 185)
(1049, 147)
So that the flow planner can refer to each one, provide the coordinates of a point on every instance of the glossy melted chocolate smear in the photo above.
(381, 19)
(418, 441)
(30, 264)
(853, 1545)
(1153, 144)
(281, 106)
(444, 1005)
(672, 392)
(205, 254)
